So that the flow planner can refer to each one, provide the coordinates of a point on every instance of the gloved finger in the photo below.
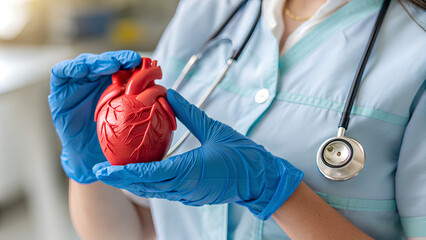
(155, 177)
(140, 193)
(100, 166)
(196, 120)
(127, 59)
(92, 66)
(140, 172)
(84, 55)
(70, 68)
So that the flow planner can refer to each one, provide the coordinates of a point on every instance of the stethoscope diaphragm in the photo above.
(340, 158)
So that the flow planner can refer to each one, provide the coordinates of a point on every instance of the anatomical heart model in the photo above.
(134, 120)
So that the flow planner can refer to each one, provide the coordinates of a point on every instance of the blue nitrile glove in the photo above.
(228, 167)
(75, 88)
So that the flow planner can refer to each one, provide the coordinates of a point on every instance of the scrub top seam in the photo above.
(360, 204)
(317, 102)
(414, 226)
(414, 219)
(259, 229)
(320, 103)
(327, 104)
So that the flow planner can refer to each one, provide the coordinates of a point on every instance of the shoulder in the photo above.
(405, 23)
(193, 23)
(404, 38)
(403, 13)
(416, 14)
(397, 71)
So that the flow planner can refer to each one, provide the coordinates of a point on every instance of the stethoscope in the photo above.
(339, 158)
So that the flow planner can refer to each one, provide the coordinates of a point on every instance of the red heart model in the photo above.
(134, 120)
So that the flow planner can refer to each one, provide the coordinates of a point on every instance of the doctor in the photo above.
(248, 170)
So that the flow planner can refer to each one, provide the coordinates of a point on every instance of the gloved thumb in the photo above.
(196, 120)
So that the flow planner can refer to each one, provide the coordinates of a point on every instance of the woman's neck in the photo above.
(300, 8)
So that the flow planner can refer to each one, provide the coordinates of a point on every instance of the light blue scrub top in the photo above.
(307, 88)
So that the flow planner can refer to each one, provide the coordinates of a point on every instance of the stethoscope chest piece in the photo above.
(340, 158)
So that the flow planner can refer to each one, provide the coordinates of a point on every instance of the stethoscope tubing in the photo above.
(332, 168)
(220, 77)
(353, 92)
(236, 53)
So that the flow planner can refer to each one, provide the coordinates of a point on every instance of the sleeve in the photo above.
(411, 172)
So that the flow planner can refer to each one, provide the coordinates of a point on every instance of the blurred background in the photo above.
(34, 35)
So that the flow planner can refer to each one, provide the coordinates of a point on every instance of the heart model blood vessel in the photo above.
(134, 120)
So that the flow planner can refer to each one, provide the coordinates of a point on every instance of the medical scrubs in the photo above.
(291, 103)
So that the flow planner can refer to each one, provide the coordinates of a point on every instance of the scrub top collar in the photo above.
(272, 13)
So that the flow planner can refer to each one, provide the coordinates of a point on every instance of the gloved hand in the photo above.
(228, 167)
(75, 87)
